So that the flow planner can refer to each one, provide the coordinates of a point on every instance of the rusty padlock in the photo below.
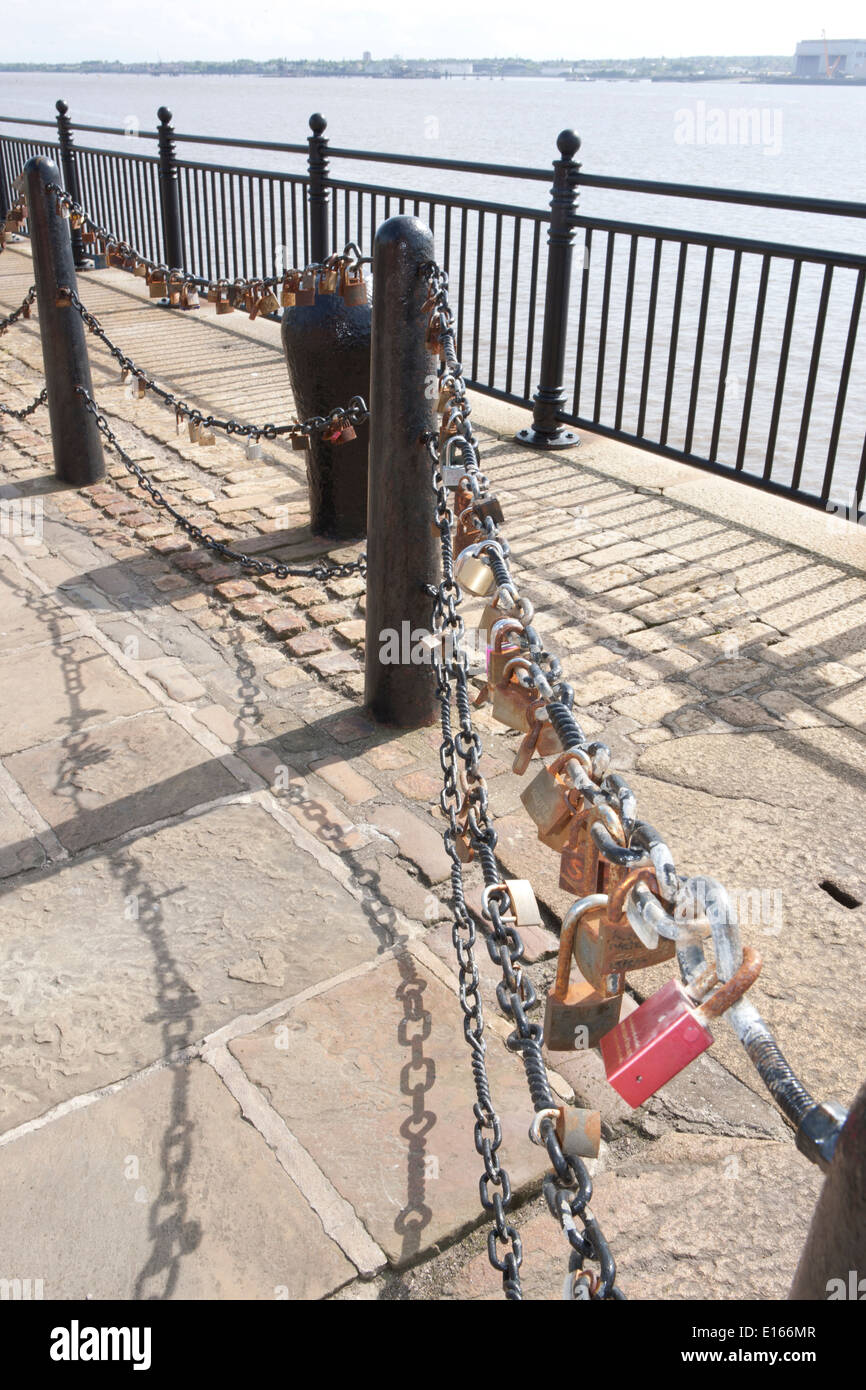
(512, 701)
(577, 1015)
(552, 804)
(667, 1032)
(224, 298)
(577, 1131)
(605, 945)
(157, 282)
(541, 738)
(581, 869)
(353, 287)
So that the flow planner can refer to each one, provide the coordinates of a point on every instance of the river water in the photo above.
(771, 138)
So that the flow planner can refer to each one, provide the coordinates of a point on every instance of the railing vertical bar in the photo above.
(754, 353)
(446, 251)
(626, 329)
(494, 304)
(461, 288)
(675, 334)
(844, 376)
(658, 248)
(479, 280)
(782, 371)
(814, 364)
(512, 305)
(724, 361)
(602, 329)
(581, 318)
(699, 348)
(533, 301)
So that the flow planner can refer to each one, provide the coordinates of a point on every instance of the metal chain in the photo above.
(327, 569)
(27, 409)
(23, 310)
(351, 254)
(355, 413)
(569, 1189)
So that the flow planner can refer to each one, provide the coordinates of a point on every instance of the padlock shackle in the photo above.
(733, 989)
(570, 923)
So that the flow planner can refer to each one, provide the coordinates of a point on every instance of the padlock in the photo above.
(157, 281)
(579, 865)
(139, 387)
(513, 702)
(329, 280)
(605, 946)
(473, 574)
(253, 448)
(213, 293)
(657, 1041)
(353, 287)
(88, 236)
(522, 902)
(577, 1015)
(305, 294)
(578, 1132)
(224, 303)
(552, 805)
(500, 651)
(194, 427)
(206, 435)
(541, 738)
(288, 288)
(300, 441)
(269, 303)
(189, 296)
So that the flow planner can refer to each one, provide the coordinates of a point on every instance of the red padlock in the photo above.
(655, 1043)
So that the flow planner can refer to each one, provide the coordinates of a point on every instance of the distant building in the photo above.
(368, 57)
(844, 57)
(453, 69)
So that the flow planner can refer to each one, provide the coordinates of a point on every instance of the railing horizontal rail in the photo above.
(706, 193)
(411, 195)
(731, 243)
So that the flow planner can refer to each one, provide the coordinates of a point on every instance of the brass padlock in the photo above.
(552, 805)
(157, 281)
(513, 702)
(189, 296)
(605, 945)
(354, 288)
(175, 288)
(473, 574)
(269, 303)
(290, 283)
(577, 1016)
(579, 868)
(305, 294)
(223, 303)
(300, 441)
(329, 280)
(499, 652)
(541, 738)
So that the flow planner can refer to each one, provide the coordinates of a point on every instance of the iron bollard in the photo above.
(74, 434)
(833, 1262)
(169, 194)
(545, 432)
(327, 347)
(403, 554)
(70, 180)
(317, 164)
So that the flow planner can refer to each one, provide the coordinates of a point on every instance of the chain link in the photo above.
(23, 310)
(328, 569)
(569, 1189)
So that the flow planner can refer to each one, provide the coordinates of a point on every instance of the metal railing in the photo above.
(741, 356)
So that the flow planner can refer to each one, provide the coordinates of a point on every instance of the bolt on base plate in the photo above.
(562, 439)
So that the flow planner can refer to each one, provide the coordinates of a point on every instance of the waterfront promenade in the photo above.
(225, 893)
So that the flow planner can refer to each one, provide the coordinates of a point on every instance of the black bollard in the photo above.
(833, 1263)
(403, 554)
(327, 347)
(74, 434)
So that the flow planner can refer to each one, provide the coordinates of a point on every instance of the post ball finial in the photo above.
(62, 107)
(164, 115)
(317, 123)
(568, 143)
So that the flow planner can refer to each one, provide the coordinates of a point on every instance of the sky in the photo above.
(55, 31)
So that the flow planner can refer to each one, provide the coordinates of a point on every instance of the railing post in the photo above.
(5, 200)
(402, 548)
(169, 193)
(317, 163)
(70, 180)
(545, 432)
(74, 434)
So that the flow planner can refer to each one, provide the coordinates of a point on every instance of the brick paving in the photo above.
(223, 883)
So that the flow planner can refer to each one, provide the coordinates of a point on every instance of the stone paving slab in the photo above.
(160, 1190)
(372, 1077)
(113, 778)
(112, 962)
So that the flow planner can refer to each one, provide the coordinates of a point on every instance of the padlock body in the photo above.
(579, 866)
(511, 704)
(605, 951)
(547, 803)
(474, 575)
(650, 1047)
(580, 1007)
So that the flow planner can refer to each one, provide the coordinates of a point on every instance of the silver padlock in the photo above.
(453, 473)
(472, 573)
(254, 447)
(524, 907)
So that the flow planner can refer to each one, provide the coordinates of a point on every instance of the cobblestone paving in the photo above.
(223, 884)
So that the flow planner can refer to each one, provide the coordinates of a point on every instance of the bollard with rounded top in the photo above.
(403, 554)
(317, 163)
(832, 1265)
(545, 432)
(327, 347)
(74, 435)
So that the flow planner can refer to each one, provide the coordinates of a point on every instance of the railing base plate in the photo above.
(562, 439)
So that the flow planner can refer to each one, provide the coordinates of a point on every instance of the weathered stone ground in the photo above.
(225, 894)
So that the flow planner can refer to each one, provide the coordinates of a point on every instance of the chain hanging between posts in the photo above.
(340, 273)
(568, 1190)
(328, 569)
(339, 421)
(22, 312)
(607, 846)
(27, 409)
